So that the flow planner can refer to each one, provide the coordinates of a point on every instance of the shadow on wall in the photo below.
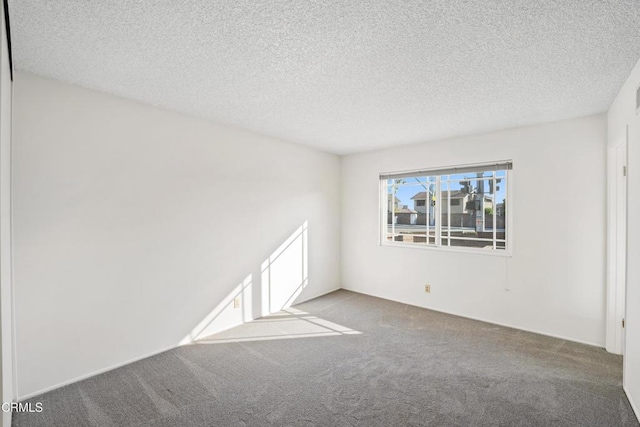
(283, 277)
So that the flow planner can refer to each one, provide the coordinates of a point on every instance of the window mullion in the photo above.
(427, 208)
(508, 236)
(495, 206)
(448, 213)
(393, 211)
(435, 192)
(384, 197)
(438, 214)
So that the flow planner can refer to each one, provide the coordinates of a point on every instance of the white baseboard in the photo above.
(633, 405)
(493, 322)
(136, 359)
(93, 374)
(317, 296)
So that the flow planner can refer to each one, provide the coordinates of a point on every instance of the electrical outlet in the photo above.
(236, 302)
(427, 288)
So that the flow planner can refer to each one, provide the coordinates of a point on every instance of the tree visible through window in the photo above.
(449, 207)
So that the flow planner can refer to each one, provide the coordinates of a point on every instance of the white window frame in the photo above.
(437, 245)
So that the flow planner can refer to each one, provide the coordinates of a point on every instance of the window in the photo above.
(462, 207)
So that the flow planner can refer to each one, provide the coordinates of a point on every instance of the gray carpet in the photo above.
(346, 359)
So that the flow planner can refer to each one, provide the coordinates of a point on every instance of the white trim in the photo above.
(635, 408)
(14, 341)
(314, 297)
(454, 249)
(494, 215)
(383, 207)
(476, 239)
(136, 359)
(382, 221)
(450, 170)
(508, 206)
(493, 322)
(94, 373)
(611, 256)
(437, 213)
(7, 321)
(616, 246)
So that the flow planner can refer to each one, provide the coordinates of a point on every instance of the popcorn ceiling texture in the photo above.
(342, 76)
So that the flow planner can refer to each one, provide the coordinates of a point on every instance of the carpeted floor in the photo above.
(347, 359)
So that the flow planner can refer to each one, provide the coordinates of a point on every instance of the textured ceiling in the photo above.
(342, 76)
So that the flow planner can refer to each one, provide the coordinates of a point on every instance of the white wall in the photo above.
(555, 281)
(622, 114)
(132, 231)
(6, 355)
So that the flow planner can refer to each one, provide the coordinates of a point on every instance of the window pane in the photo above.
(468, 205)
(409, 209)
(445, 207)
(472, 244)
(472, 210)
(391, 205)
(468, 175)
(427, 215)
(457, 215)
(500, 197)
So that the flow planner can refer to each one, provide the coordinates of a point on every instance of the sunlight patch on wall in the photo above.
(283, 277)
(234, 310)
(285, 272)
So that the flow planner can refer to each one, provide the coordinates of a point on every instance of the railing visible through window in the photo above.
(457, 207)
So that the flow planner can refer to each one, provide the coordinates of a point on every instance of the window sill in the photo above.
(475, 251)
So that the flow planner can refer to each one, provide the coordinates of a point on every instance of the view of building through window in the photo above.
(459, 210)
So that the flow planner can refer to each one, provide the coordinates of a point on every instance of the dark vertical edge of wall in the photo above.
(7, 27)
